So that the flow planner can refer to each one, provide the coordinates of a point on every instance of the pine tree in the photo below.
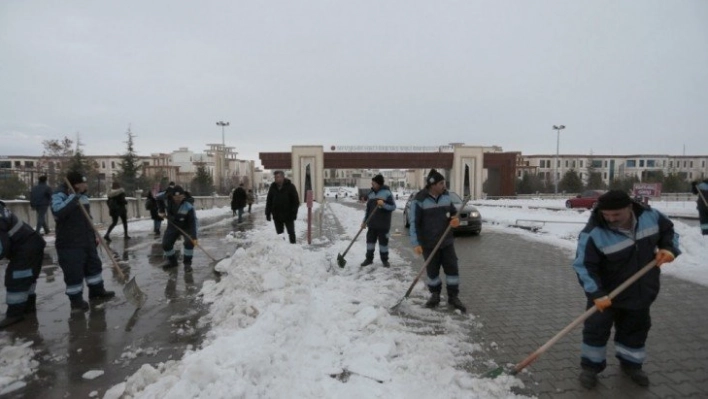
(571, 182)
(203, 182)
(130, 176)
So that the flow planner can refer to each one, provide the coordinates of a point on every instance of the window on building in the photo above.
(690, 175)
(604, 175)
(542, 164)
(113, 164)
(641, 163)
(671, 164)
(566, 163)
(605, 163)
(573, 165)
(651, 163)
(663, 163)
(5, 165)
(18, 164)
(703, 164)
(29, 164)
(684, 164)
(103, 164)
(596, 163)
(631, 163)
(581, 164)
(691, 163)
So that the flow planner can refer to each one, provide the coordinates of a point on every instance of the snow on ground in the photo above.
(286, 321)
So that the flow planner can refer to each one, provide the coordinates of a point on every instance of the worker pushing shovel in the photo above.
(132, 292)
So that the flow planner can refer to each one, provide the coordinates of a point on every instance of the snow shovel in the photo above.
(190, 239)
(422, 269)
(340, 257)
(425, 265)
(131, 290)
(532, 357)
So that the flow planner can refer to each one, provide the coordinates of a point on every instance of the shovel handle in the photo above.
(98, 235)
(359, 232)
(636, 276)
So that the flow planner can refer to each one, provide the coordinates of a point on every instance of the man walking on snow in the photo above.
(381, 201)
(282, 204)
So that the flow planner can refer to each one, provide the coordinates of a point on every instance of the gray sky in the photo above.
(625, 77)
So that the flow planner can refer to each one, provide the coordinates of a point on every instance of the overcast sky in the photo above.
(623, 76)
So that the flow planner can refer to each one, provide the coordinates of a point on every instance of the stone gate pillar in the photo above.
(308, 170)
(466, 172)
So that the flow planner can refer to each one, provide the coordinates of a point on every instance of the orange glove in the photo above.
(454, 222)
(664, 256)
(418, 250)
(379, 203)
(195, 243)
(603, 303)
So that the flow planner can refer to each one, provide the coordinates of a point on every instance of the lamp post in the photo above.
(222, 175)
(555, 173)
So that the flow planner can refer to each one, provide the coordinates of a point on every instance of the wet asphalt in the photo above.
(113, 336)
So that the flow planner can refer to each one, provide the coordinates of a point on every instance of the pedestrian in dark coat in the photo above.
(24, 247)
(76, 243)
(40, 199)
(620, 238)
(701, 190)
(238, 201)
(381, 200)
(282, 204)
(251, 198)
(152, 207)
(117, 208)
(432, 211)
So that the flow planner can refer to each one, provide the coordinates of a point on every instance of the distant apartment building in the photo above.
(613, 166)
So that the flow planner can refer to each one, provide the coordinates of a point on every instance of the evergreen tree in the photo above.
(595, 182)
(571, 182)
(529, 184)
(675, 183)
(130, 176)
(11, 186)
(203, 182)
(624, 183)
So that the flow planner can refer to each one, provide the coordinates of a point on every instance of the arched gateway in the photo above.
(463, 165)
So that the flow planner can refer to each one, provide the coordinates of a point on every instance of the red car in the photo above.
(587, 199)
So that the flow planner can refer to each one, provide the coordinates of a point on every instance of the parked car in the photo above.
(587, 199)
(470, 218)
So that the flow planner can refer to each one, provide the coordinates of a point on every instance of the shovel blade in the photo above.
(494, 373)
(341, 261)
(133, 294)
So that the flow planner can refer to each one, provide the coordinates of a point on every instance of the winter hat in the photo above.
(177, 190)
(378, 179)
(434, 177)
(613, 200)
(75, 178)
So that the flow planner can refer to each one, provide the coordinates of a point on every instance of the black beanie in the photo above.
(177, 190)
(434, 177)
(378, 179)
(613, 200)
(75, 178)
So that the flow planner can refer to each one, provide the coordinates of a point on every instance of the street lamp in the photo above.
(558, 130)
(223, 154)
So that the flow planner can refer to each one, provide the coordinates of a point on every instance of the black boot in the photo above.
(107, 238)
(15, 314)
(588, 378)
(637, 375)
(126, 237)
(78, 305)
(171, 262)
(97, 291)
(455, 302)
(367, 262)
(31, 306)
(434, 300)
(385, 263)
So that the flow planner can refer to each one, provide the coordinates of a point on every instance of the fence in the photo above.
(99, 209)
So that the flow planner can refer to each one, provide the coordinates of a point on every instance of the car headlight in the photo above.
(474, 214)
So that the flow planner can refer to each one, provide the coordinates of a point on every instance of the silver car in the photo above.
(470, 218)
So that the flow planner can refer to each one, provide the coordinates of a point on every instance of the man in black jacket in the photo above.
(282, 204)
(238, 202)
(700, 188)
(40, 199)
(621, 237)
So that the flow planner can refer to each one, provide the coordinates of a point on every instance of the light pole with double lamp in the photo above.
(222, 175)
(558, 137)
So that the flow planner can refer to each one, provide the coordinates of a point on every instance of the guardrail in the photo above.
(99, 209)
